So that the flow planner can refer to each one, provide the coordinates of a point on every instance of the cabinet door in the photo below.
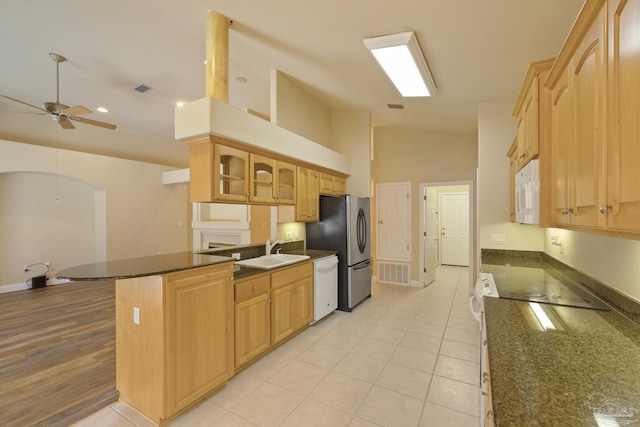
(314, 195)
(624, 130)
(252, 328)
(561, 143)
(262, 179)
(302, 304)
(531, 146)
(588, 82)
(339, 185)
(326, 184)
(285, 183)
(281, 307)
(513, 170)
(199, 333)
(231, 174)
(307, 198)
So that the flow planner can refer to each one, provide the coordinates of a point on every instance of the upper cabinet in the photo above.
(623, 136)
(512, 154)
(332, 185)
(592, 152)
(230, 174)
(227, 172)
(529, 110)
(272, 181)
(307, 198)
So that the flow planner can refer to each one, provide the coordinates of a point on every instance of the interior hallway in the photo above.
(406, 357)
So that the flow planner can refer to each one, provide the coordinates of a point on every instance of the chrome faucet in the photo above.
(269, 246)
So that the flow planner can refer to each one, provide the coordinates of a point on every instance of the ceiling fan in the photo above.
(60, 113)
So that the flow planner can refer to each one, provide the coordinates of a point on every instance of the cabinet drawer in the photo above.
(291, 275)
(252, 288)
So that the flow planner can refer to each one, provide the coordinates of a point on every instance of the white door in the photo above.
(430, 235)
(393, 227)
(455, 228)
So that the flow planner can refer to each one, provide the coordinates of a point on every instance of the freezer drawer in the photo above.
(359, 282)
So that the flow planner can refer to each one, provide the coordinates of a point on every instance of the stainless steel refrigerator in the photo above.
(344, 227)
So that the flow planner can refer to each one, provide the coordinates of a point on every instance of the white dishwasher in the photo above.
(325, 286)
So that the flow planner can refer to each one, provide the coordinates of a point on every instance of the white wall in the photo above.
(496, 132)
(142, 216)
(294, 109)
(351, 136)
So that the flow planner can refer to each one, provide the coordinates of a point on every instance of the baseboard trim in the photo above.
(13, 287)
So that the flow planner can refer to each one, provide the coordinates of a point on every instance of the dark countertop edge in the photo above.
(241, 272)
(87, 276)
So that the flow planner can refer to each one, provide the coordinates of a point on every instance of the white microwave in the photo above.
(528, 193)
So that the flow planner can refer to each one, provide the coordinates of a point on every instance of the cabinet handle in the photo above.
(522, 156)
(603, 209)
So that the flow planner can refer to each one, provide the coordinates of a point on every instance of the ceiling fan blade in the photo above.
(76, 110)
(23, 103)
(65, 123)
(93, 122)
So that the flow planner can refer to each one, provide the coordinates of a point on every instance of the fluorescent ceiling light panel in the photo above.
(401, 58)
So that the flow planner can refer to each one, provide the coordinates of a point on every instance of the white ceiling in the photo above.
(478, 52)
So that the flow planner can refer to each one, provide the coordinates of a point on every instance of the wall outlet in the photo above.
(500, 239)
(136, 315)
(287, 235)
(236, 256)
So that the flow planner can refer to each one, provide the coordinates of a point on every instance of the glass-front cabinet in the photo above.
(272, 181)
(231, 174)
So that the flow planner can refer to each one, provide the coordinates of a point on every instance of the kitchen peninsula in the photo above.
(174, 328)
(186, 322)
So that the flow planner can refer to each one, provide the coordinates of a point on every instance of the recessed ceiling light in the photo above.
(240, 79)
(180, 104)
(102, 110)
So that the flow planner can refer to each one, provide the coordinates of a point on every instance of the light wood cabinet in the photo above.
(530, 110)
(512, 154)
(252, 319)
(231, 174)
(291, 301)
(307, 195)
(174, 338)
(271, 181)
(623, 154)
(270, 308)
(577, 130)
(332, 185)
(217, 172)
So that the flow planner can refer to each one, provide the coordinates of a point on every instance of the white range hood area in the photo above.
(209, 116)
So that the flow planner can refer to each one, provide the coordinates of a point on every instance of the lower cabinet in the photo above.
(174, 338)
(252, 318)
(270, 308)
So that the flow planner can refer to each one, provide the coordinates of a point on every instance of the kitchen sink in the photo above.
(272, 261)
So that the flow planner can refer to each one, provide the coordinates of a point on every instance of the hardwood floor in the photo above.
(57, 353)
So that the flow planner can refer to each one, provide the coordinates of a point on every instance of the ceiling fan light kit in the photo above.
(61, 113)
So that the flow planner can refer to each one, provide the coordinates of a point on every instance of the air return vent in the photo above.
(396, 106)
(395, 273)
(142, 88)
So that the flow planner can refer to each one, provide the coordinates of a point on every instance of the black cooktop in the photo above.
(538, 285)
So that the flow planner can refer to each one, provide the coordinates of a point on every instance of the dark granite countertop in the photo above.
(167, 263)
(142, 266)
(583, 372)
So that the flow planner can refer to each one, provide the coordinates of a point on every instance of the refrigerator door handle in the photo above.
(362, 231)
(362, 265)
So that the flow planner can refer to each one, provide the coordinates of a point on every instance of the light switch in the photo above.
(136, 315)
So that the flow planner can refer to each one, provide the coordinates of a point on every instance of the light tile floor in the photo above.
(405, 357)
